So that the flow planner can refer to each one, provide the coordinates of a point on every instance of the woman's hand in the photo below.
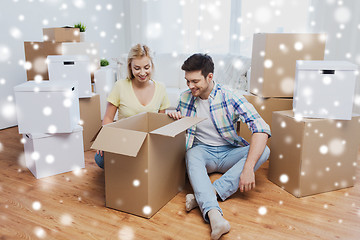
(175, 115)
(99, 152)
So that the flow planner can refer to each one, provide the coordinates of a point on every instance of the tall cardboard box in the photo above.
(35, 57)
(265, 107)
(50, 154)
(61, 34)
(325, 89)
(310, 156)
(273, 60)
(144, 161)
(90, 118)
(47, 107)
(84, 48)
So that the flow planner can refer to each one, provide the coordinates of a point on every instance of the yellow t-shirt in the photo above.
(123, 97)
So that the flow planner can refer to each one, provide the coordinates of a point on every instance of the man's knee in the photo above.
(266, 153)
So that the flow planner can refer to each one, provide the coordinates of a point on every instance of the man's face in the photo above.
(198, 84)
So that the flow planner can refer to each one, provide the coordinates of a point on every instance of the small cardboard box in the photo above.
(35, 57)
(47, 107)
(73, 68)
(144, 161)
(51, 154)
(324, 89)
(84, 48)
(62, 34)
(265, 107)
(310, 156)
(274, 57)
(90, 118)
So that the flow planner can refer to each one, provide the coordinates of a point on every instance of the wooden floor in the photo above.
(71, 206)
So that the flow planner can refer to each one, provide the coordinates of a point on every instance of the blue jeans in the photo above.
(99, 160)
(202, 159)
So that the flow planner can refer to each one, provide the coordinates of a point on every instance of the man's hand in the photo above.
(175, 115)
(247, 180)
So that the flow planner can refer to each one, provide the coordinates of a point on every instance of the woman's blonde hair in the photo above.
(137, 51)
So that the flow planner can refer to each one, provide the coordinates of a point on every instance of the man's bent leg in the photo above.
(197, 161)
(233, 166)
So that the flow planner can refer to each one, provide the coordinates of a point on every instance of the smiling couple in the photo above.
(213, 144)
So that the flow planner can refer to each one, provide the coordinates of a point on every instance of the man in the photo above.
(214, 146)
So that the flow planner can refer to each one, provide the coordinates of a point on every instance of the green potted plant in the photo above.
(82, 28)
(104, 62)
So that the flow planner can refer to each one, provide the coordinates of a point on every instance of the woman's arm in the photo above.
(109, 114)
(161, 111)
(108, 118)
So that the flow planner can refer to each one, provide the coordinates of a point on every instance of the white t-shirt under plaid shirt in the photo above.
(225, 110)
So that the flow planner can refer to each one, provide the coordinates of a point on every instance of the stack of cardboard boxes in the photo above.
(48, 117)
(66, 41)
(314, 147)
(272, 77)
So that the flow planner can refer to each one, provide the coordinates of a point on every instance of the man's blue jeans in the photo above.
(202, 159)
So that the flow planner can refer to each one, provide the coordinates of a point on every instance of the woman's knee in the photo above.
(99, 160)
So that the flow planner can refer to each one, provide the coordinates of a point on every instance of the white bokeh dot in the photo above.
(262, 210)
(342, 14)
(67, 102)
(49, 159)
(323, 149)
(136, 183)
(66, 219)
(39, 232)
(52, 129)
(268, 63)
(35, 156)
(298, 46)
(147, 210)
(36, 205)
(284, 178)
(47, 111)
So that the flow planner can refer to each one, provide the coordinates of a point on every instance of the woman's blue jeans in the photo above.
(99, 160)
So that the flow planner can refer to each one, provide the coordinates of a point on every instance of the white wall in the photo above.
(23, 20)
(271, 16)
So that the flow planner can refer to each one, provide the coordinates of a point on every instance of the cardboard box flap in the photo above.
(120, 141)
(177, 127)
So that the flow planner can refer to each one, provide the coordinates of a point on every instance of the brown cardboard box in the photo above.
(62, 34)
(144, 161)
(36, 54)
(274, 58)
(90, 118)
(310, 156)
(265, 107)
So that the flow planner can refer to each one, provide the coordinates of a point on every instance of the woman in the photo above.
(137, 93)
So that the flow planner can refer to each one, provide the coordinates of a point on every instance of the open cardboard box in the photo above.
(144, 161)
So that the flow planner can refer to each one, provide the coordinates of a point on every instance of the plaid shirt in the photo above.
(225, 109)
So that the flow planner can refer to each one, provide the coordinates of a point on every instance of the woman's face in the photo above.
(141, 69)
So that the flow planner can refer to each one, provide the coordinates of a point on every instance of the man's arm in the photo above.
(257, 146)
